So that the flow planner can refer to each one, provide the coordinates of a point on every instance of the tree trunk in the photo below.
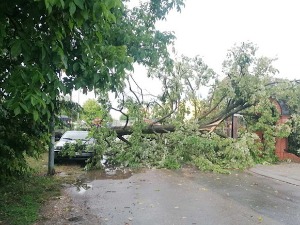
(148, 130)
(51, 170)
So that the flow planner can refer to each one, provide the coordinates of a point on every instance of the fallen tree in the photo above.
(244, 88)
(150, 129)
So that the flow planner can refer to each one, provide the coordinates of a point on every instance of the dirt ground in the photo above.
(63, 211)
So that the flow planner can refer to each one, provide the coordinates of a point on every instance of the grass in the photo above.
(21, 199)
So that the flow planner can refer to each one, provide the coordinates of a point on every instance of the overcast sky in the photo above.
(209, 28)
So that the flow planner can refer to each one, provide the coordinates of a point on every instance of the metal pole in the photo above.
(51, 170)
(232, 125)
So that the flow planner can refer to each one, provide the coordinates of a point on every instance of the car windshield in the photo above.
(75, 135)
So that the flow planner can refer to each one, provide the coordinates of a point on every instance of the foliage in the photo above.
(91, 111)
(294, 138)
(71, 149)
(246, 89)
(49, 48)
(19, 137)
(69, 108)
(290, 96)
(184, 146)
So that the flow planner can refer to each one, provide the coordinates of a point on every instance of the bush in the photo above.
(19, 137)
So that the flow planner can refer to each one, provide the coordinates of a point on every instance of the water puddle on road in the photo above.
(82, 187)
(83, 183)
(108, 173)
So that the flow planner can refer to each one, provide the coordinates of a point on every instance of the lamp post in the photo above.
(232, 125)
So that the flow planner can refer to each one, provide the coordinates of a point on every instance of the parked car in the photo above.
(82, 142)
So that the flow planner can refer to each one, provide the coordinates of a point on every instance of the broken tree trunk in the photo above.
(152, 129)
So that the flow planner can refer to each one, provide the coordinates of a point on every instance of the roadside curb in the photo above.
(288, 173)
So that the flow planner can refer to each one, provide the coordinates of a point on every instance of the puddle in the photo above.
(108, 173)
(83, 188)
(83, 183)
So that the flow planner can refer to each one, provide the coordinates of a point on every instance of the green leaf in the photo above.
(24, 107)
(43, 52)
(75, 67)
(2, 34)
(96, 78)
(72, 8)
(112, 3)
(63, 57)
(35, 115)
(49, 9)
(17, 111)
(71, 24)
(85, 14)
(33, 101)
(79, 3)
(47, 4)
(62, 3)
(16, 48)
(78, 85)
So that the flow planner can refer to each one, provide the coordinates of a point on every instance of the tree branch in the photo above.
(133, 92)
(141, 90)
(212, 109)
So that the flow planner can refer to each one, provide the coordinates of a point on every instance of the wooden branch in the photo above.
(121, 111)
(211, 126)
(141, 90)
(124, 139)
(238, 109)
(232, 106)
(190, 85)
(166, 116)
(212, 109)
(133, 92)
(157, 103)
(148, 130)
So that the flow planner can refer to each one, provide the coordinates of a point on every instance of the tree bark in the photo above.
(148, 130)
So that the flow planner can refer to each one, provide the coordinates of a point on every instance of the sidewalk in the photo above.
(285, 172)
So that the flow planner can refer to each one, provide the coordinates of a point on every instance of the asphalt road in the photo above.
(188, 197)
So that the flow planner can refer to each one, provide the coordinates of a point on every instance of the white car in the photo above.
(73, 137)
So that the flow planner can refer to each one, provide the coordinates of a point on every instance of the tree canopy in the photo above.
(50, 47)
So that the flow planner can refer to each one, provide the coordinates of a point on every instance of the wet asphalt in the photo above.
(187, 197)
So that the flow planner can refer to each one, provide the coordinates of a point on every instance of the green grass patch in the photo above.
(20, 200)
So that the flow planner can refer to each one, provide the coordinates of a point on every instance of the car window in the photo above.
(75, 135)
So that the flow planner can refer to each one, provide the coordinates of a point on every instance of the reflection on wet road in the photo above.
(186, 196)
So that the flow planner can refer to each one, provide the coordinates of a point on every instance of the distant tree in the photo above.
(91, 111)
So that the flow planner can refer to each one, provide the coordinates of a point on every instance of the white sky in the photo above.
(209, 28)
